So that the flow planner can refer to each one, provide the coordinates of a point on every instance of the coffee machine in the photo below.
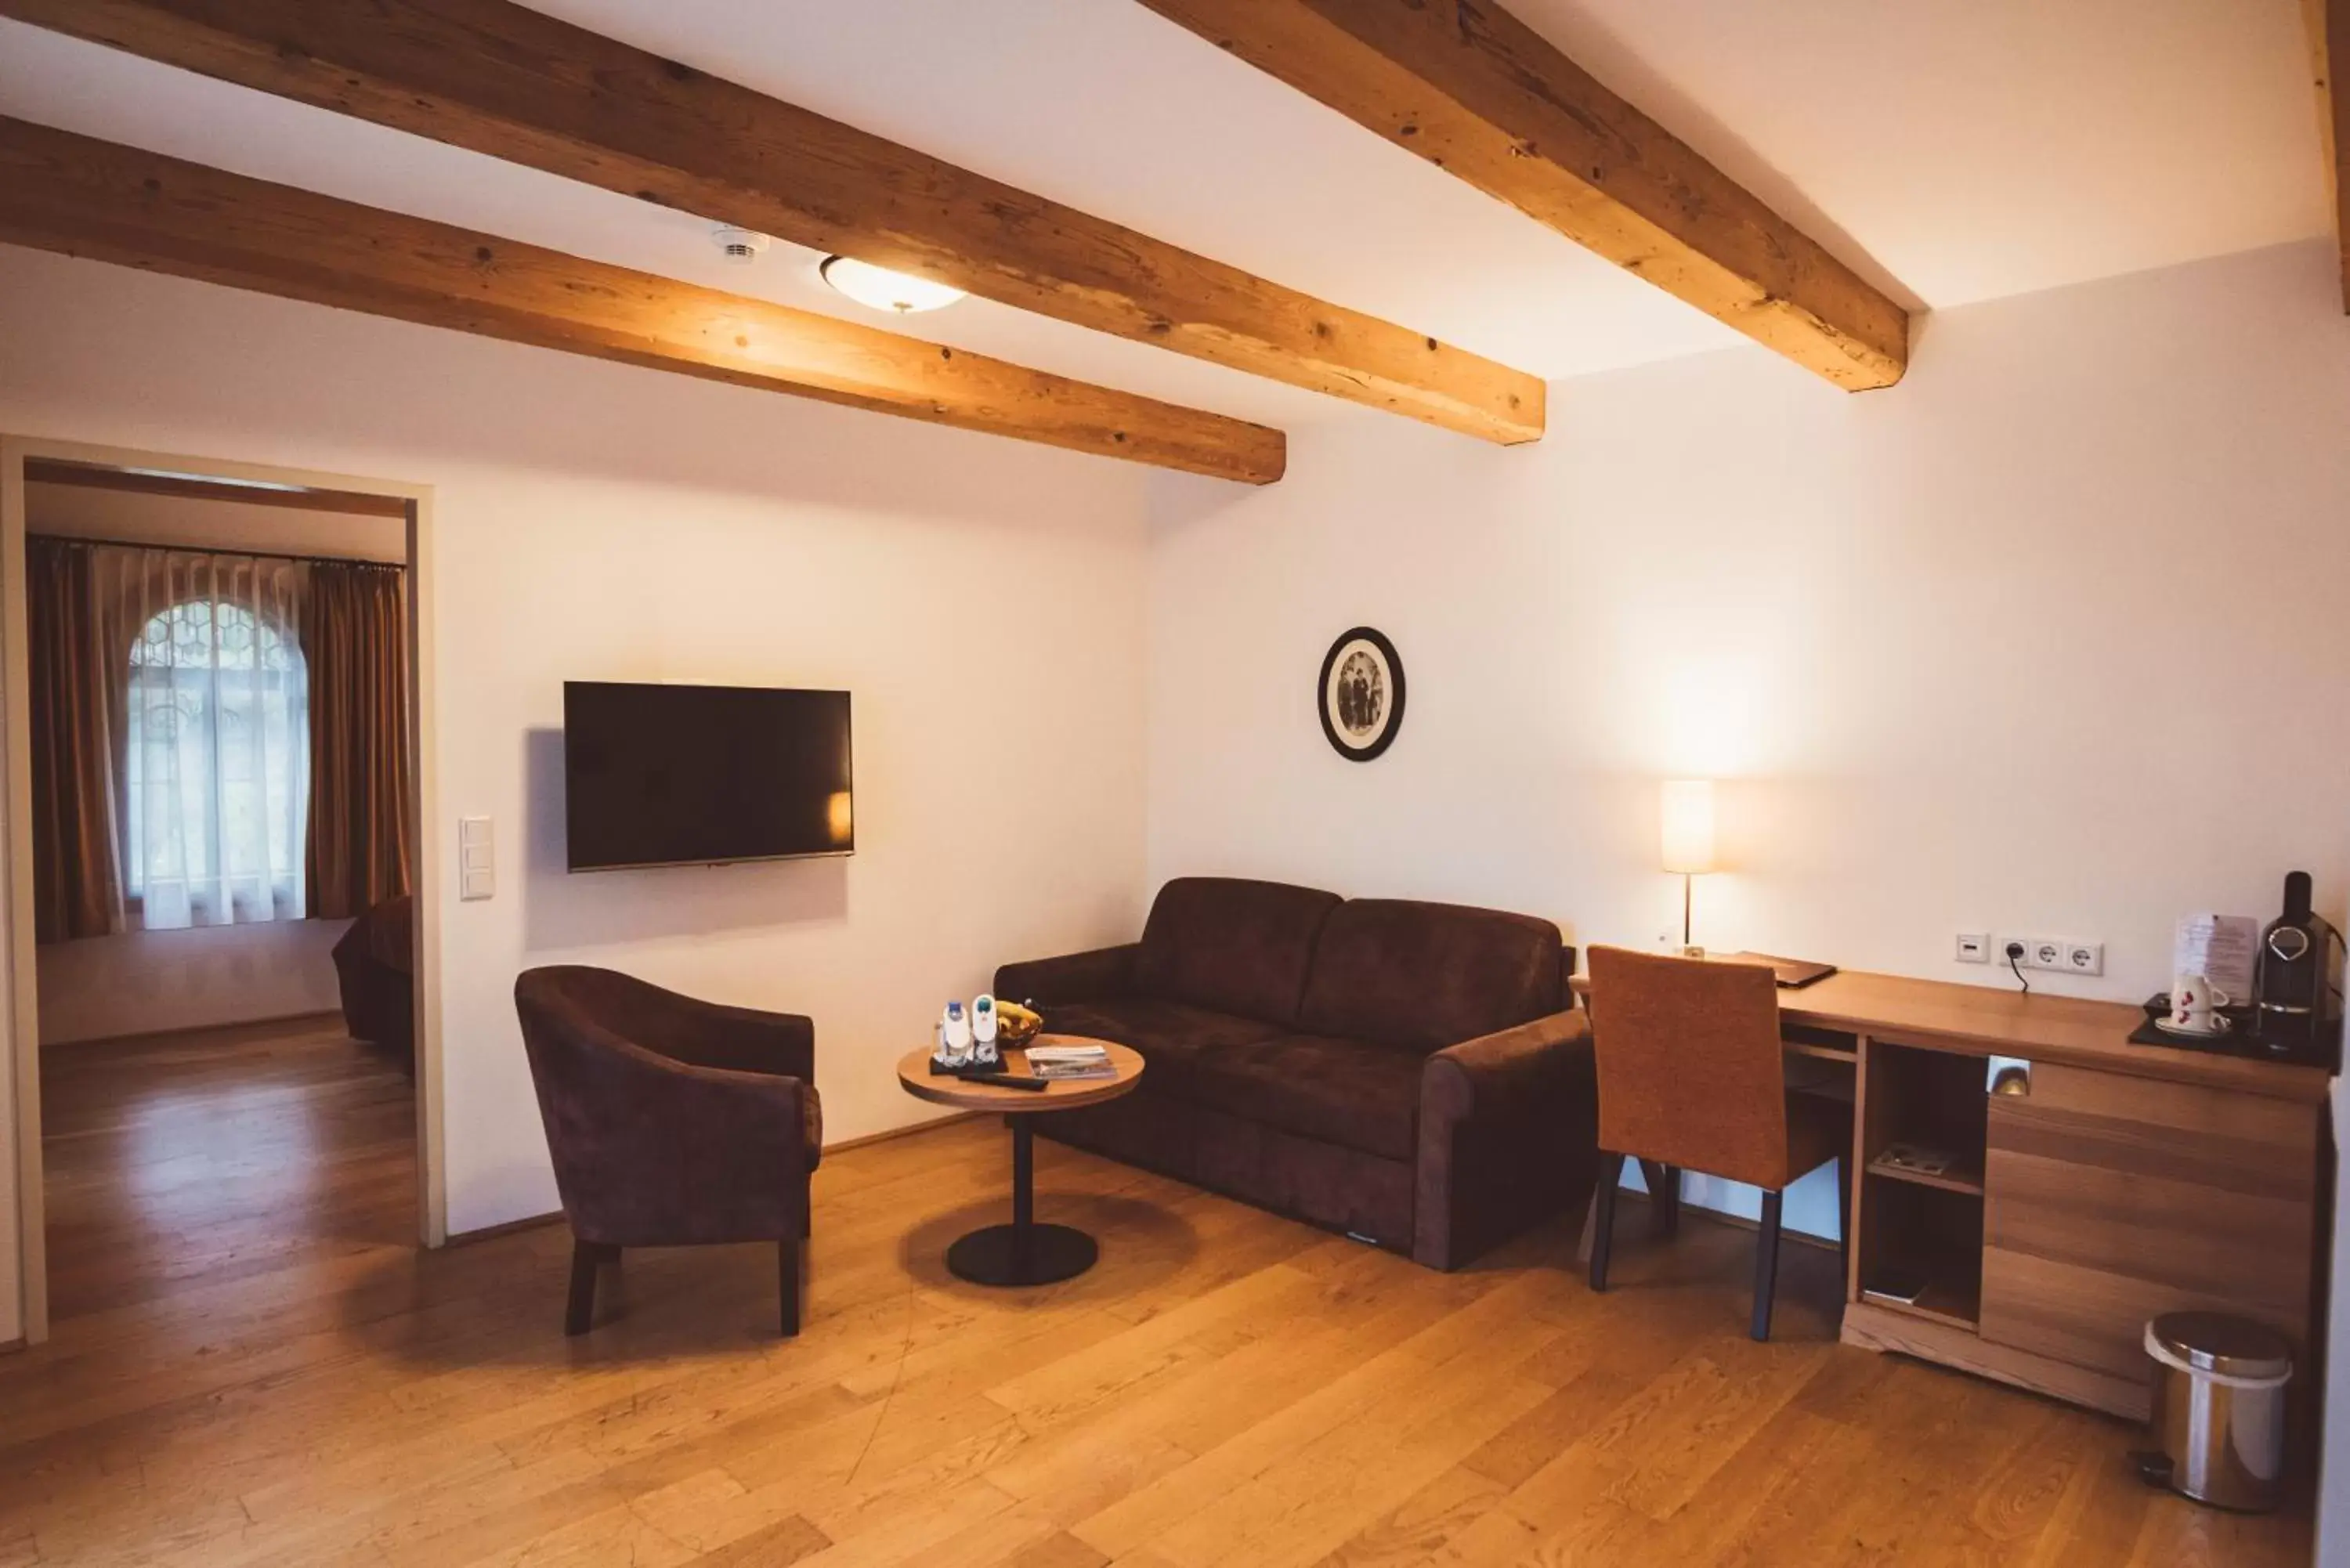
(2297, 1005)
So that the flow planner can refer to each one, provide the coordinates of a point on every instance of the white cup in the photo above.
(2195, 1005)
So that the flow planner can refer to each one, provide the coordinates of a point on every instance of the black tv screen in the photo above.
(688, 775)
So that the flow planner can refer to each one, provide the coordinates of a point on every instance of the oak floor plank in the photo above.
(254, 1367)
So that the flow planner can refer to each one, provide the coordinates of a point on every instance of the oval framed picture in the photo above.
(1361, 694)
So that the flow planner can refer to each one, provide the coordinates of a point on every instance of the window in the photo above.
(218, 771)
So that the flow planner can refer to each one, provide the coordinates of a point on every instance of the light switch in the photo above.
(476, 863)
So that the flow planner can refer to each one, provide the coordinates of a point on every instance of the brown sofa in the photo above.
(1415, 1075)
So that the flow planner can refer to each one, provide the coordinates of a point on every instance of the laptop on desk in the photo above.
(1794, 973)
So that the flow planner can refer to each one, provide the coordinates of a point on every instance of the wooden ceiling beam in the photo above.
(508, 81)
(82, 197)
(1475, 91)
(2329, 50)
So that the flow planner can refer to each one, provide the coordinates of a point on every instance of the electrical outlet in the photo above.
(1974, 947)
(2060, 955)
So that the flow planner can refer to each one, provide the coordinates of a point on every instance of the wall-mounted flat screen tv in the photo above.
(695, 775)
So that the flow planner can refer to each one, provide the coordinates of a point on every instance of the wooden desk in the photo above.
(2122, 1182)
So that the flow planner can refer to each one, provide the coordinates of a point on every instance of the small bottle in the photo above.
(954, 1035)
(984, 1051)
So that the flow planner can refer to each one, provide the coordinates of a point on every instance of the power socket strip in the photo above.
(2057, 955)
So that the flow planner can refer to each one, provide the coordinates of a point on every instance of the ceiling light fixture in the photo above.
(885, 290)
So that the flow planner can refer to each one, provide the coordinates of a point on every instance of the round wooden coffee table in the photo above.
(1023, 1252)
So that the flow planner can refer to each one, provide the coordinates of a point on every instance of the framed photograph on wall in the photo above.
(1361, 694)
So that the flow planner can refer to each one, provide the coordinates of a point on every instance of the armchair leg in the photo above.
(787, 1278)
(1766, 1265)
(586, 1256)
(1603, 1216)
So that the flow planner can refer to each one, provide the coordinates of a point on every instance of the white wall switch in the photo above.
(477, 875)
(1974, 947)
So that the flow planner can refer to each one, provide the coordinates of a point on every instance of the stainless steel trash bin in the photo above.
(2219, 1409)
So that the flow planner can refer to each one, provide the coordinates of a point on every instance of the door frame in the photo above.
(24, 1263)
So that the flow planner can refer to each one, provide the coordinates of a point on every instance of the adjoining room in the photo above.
(1166, 784)
(221, 852)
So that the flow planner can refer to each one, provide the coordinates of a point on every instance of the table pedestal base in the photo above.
(1023, 1252)
(1022, 1255)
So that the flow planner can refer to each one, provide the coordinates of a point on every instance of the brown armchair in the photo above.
(672, 1122)
(375, 968)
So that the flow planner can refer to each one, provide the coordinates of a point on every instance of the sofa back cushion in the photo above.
(1425, 976)
(1233, 946)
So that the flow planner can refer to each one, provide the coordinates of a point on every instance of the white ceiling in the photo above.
(1954, 149)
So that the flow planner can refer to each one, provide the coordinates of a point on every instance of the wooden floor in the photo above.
(252, 1366)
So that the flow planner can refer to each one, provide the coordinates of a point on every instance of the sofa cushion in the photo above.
(1424, 976)
(1172, 1037)
(1358, 1097)
(1231, 946)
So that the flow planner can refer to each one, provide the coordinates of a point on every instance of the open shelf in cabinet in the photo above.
(1923, 1230)
(1929, 1101)
(1912, 1234)
(1959, 1178)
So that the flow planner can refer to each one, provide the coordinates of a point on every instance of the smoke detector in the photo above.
(740, 247)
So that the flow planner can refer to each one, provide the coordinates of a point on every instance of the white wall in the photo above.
(137, 517)
(142, 983)
(983, 598)
(2047, 638)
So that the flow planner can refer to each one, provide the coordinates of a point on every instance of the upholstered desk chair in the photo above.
(672, 1122)
(1691, 1076)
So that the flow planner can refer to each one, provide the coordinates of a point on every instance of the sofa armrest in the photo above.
(1497, 1072)
(1095, 976)
(1508, 1135)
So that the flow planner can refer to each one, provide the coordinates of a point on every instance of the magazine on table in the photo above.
(1070, 1062)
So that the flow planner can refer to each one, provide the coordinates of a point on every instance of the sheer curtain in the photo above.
(215, 728)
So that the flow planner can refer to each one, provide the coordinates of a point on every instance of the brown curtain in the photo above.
(355, 641)
(77, 876)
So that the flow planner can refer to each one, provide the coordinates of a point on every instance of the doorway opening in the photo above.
(223, 1040)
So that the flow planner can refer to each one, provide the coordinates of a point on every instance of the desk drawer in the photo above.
(2109, 1199)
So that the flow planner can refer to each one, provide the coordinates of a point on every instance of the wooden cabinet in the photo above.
(2109, 1199)
(2128, 1181)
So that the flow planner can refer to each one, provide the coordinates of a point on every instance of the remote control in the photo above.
(1008, 1080)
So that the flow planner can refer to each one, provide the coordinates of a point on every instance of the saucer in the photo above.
(2220, 1024)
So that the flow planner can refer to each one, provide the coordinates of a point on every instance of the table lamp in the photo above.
(1688, 837)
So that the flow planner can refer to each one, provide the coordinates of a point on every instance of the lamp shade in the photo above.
(1687, 835)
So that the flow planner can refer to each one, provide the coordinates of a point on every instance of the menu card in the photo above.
(2220, 947)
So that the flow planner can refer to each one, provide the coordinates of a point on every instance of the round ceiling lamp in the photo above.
(882, 289)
